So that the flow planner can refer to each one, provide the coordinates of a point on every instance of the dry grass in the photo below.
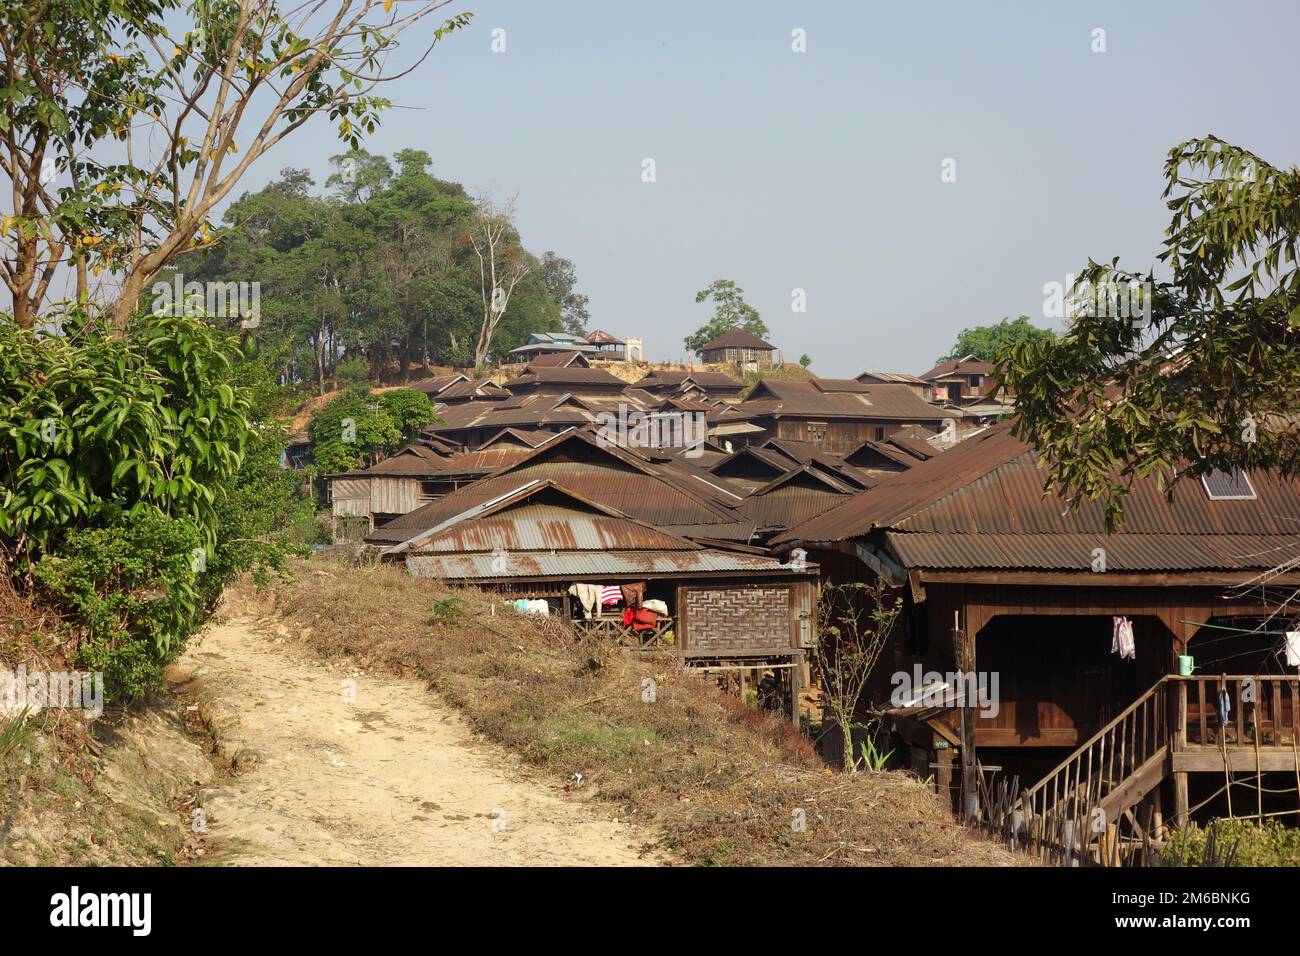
(718, 781)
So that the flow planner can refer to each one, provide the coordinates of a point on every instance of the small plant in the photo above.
(14, 735)
(447, 611)
(873, 759)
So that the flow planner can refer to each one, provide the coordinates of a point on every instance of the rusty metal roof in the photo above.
(806, 400)
(674, 378)
(794, 497)
(559, 360)
(981, 504)
(534, 375)
(609, 566)
(668, 495)
(968, 365)
(736, 338)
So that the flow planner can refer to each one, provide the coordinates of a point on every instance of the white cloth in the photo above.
(1293, 648)
(588, 596)
(1121, 640)
(656, 605)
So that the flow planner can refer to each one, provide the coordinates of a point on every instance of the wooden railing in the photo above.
(1262, 710)
(1082, 800)
(614, 629)
(1060, 811)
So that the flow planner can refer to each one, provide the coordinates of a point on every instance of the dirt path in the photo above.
(394, 778)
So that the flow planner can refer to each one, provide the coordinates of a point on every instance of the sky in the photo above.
(823, 170)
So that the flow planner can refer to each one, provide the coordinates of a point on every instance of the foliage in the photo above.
(149, 421)
(447, 611)
(355, 428)
(184, 95)
(987, 342)
(729, 309)
(1234, 842)
(1206, 374)
(132, 584)
(805, 360)
(874, 760)
(352, 372)
(139, 473)
(854, 623)
(382, 269)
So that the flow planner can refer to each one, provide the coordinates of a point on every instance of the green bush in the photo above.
(132, 586)
(1236, 842)
(139, 473)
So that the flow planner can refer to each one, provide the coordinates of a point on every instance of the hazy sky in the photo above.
(822, 170)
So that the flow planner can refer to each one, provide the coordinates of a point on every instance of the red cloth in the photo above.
(643, 619)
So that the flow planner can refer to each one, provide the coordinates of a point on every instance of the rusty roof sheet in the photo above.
(535, 374)
(968, 365)
(794, 497)
(668, 495)
(593, 564)
(736, 338)
(806, 400)
(432, 386)
(522, 411)
(674, 378)
(559, 360)
(983, 502)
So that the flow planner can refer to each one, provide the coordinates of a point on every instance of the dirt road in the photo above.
(339, 767)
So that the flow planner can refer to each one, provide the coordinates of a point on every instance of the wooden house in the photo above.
(999, 581)
(739, 348)
(835, 415)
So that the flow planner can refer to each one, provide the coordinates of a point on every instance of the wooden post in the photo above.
(1180, 799)
(964, 648)
(943, 778)
(796, 686)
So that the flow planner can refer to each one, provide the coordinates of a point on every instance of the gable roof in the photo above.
(736, 338)
(981, 505)
(967, 365)
(890, 378)
(806, 399)
(534, 375)
(665, 494)
(559, 360)
(432, 386)
(673, 378)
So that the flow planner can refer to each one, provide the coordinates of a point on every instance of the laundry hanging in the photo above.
(1121, 641)
(1293, 648)
(1225, 707)
(588, 596)
(610, 594)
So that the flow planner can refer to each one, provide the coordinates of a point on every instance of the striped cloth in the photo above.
(610, 594)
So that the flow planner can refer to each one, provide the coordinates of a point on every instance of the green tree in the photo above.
(805, 360)
(1204, 373)
(987, 342)
(729, 309)
(358, 427)
(191, 93)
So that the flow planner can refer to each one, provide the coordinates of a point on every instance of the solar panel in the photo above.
(1227, 485)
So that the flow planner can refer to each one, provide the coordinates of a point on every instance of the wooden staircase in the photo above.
(1082, 800)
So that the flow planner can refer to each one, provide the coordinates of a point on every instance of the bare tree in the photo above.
(854, 623)
(502, 265)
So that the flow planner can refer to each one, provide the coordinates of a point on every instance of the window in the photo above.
(817, 433)
(1231, 485)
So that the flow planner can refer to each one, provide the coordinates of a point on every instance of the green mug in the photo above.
(1186, 664)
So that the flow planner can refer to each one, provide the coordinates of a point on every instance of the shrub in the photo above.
(1235, 843)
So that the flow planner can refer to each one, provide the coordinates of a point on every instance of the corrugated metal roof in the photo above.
(666, 495)
(804, 399)
(590, 564)
(736, 338)
(981, 504)
(1074, 552)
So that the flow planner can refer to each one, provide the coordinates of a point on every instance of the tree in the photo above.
(184, 95)
(987, 342)
(502, 265)
(805, 360)
(558, 278)
(358, 427)
(1202, 371)
(729, 309)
